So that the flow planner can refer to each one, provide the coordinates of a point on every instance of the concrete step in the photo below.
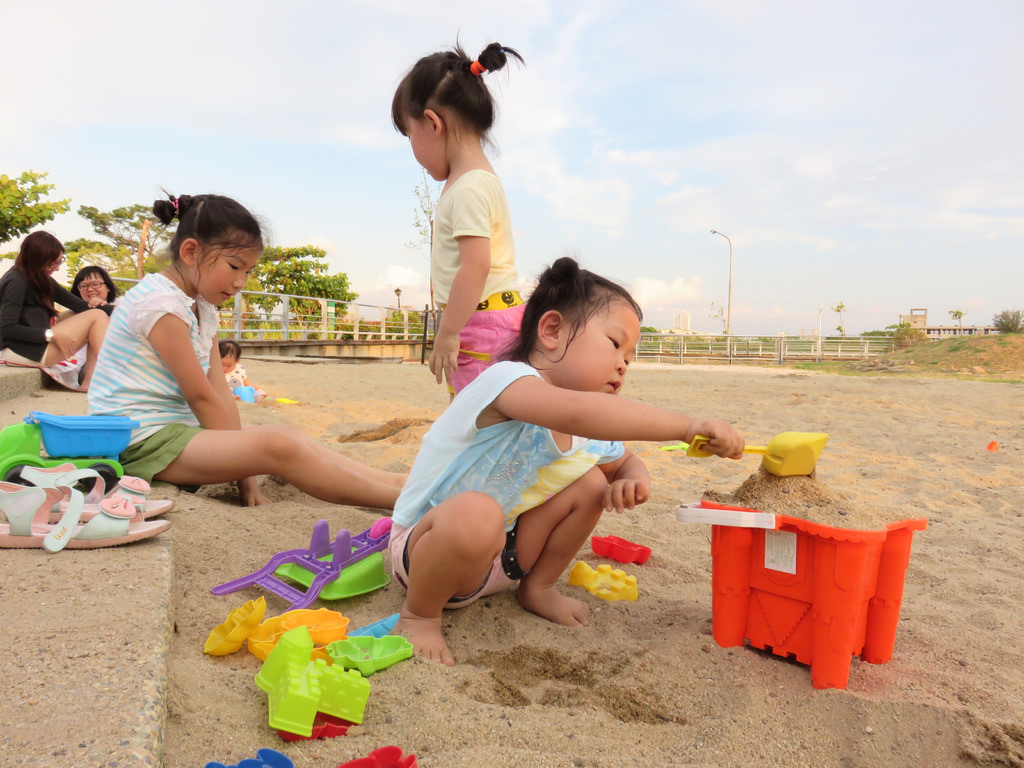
(86, 634)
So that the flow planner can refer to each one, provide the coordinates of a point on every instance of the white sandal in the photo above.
(134, 489)
(28, 509)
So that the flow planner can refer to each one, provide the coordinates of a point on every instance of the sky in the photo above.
(859, 152)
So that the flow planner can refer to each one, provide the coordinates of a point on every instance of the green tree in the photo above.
(118, 251)
(904, 335)
(1009, 321)
(839, 309)
(22, 204)
(958, 315)
(301, 272)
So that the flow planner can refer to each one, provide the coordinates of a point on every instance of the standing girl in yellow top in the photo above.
(443, 106)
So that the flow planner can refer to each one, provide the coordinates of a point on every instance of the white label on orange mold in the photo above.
(780, 551)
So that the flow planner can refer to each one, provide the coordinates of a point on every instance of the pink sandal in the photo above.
(134, 489)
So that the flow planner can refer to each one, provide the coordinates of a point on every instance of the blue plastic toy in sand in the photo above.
(265, 758)
(377, 628)
(245, 394)
(319, 565)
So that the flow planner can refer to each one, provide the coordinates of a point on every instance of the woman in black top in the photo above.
(30, 333)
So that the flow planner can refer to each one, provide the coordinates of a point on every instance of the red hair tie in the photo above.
(477, 68)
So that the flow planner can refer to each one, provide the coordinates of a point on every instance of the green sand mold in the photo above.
(298, 687)
(365, 575)
(369, 654)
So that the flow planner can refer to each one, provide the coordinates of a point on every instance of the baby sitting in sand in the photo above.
(234, 371)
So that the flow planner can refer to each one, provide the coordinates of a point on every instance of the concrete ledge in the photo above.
(19, 382)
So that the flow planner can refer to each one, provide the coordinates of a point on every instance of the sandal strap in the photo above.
(26, 507)
(63, 531)
(65, 474)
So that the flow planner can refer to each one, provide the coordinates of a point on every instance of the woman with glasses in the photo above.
(94, 285)
(30, 331)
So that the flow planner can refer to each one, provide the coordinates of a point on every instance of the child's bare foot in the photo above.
(554, 606)
(425, 636)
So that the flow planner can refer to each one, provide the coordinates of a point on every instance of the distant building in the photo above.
(681, 322)
(918, 318)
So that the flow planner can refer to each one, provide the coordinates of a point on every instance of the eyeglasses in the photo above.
(88, 285)
(56, 264)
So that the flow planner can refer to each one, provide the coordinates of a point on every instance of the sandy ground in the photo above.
(645, 683)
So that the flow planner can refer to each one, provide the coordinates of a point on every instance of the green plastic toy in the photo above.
(298, 686)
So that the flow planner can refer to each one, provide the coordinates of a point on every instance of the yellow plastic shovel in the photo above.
(788, 453)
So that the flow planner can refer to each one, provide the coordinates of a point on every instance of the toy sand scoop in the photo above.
(788, 453)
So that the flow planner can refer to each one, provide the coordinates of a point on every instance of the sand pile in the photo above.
(805, 497)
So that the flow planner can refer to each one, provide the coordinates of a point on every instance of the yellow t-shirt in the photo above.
(474, 206)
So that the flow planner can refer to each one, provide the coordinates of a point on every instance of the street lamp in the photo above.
(398, 297)
(728, 311)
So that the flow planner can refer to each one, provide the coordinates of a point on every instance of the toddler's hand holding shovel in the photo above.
(722, 439)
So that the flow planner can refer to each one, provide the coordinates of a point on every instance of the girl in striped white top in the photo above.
(160, 365)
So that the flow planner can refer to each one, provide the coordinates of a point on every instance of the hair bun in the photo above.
(165, 211)
(173, 207)
(495, 56)
(564, 269)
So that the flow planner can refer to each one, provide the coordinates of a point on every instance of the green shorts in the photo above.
(153, 454)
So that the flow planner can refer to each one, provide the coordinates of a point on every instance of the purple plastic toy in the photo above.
(345, 551)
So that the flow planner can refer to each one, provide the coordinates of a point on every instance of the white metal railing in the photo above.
(261, 316)
(671, 347)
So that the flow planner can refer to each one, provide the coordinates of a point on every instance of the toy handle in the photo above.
(697, 451)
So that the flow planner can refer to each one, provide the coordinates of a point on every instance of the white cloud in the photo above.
(656, 296)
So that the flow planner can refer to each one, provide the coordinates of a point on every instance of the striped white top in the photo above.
(130, 378)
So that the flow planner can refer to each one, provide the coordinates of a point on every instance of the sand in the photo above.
(645, 684)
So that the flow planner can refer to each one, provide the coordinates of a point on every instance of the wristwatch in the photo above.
(49, 335)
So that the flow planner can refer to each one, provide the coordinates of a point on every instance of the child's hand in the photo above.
(723, 439)
(626, 494)
(444, 358)
(249, 490)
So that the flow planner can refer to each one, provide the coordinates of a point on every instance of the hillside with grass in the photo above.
(1000, 355)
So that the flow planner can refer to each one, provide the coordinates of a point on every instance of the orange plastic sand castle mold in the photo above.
(325, 626)
(229, 636)
(604, 582)
(815, 592)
